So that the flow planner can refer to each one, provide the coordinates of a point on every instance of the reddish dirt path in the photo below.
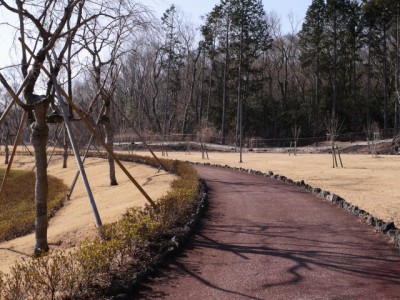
(263, 239)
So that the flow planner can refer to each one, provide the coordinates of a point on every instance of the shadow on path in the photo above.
(262, 239)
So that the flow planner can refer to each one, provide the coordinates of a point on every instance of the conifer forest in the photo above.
(238, 72)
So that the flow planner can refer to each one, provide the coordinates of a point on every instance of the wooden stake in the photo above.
(76, 150)
(339, 156)
(14, 96)
(140, 136)
(71, 188)
(20, 129)
(93, 131)
(55, 145)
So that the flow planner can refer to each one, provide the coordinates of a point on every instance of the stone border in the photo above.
(121, 289)
(387, 228)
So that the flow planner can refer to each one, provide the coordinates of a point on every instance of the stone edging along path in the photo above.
(387, 228)
(120, 289)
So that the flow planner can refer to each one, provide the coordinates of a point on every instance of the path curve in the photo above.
(264, 239)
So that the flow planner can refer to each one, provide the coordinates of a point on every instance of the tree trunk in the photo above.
(224, 92)
(190, 98)
(369, 80)
(39, 137)
(6, 152)
(109, 141)
(334, 104)
(65, 146)
(240, 96)
(6, 138)
(353, 88)
(397, 76)
(385, 82)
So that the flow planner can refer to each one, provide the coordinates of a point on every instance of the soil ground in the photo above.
(368, 182)
(75, 221)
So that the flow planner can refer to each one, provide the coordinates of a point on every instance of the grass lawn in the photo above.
(17, 204)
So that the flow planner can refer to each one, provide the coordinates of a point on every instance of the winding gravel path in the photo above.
(264, 239)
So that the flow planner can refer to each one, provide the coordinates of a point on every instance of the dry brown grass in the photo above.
(128, 245)
(370, 183)
(17, 204)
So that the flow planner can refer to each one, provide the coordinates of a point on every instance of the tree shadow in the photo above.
(301, 256)
(282, 251)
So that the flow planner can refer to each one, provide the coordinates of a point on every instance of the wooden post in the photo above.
(333, 157)
(164, 150)
(374, 144)
(205, 150)
(338, 151)
(188, 148)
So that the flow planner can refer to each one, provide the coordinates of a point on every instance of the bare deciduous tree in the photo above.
(48, 26)
(106, 42)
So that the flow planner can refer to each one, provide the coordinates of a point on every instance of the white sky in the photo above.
(194, 9)
(197, 8)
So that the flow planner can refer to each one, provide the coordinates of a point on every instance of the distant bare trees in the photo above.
(50, 28)
(106, 44)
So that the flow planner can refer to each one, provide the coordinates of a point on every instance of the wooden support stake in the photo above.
(55, 145)
(187, 148)
(93, 131)
(26, 147)
(14, 96)
(76, 150)
(333, 156)
(141, 138)
(71, 188)
(20, 129)
(339, 156)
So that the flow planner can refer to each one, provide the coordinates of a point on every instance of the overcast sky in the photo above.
(194, 9)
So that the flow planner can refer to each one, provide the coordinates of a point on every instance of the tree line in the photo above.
(343, 62)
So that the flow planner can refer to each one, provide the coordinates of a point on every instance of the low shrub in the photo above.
(137, 237)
